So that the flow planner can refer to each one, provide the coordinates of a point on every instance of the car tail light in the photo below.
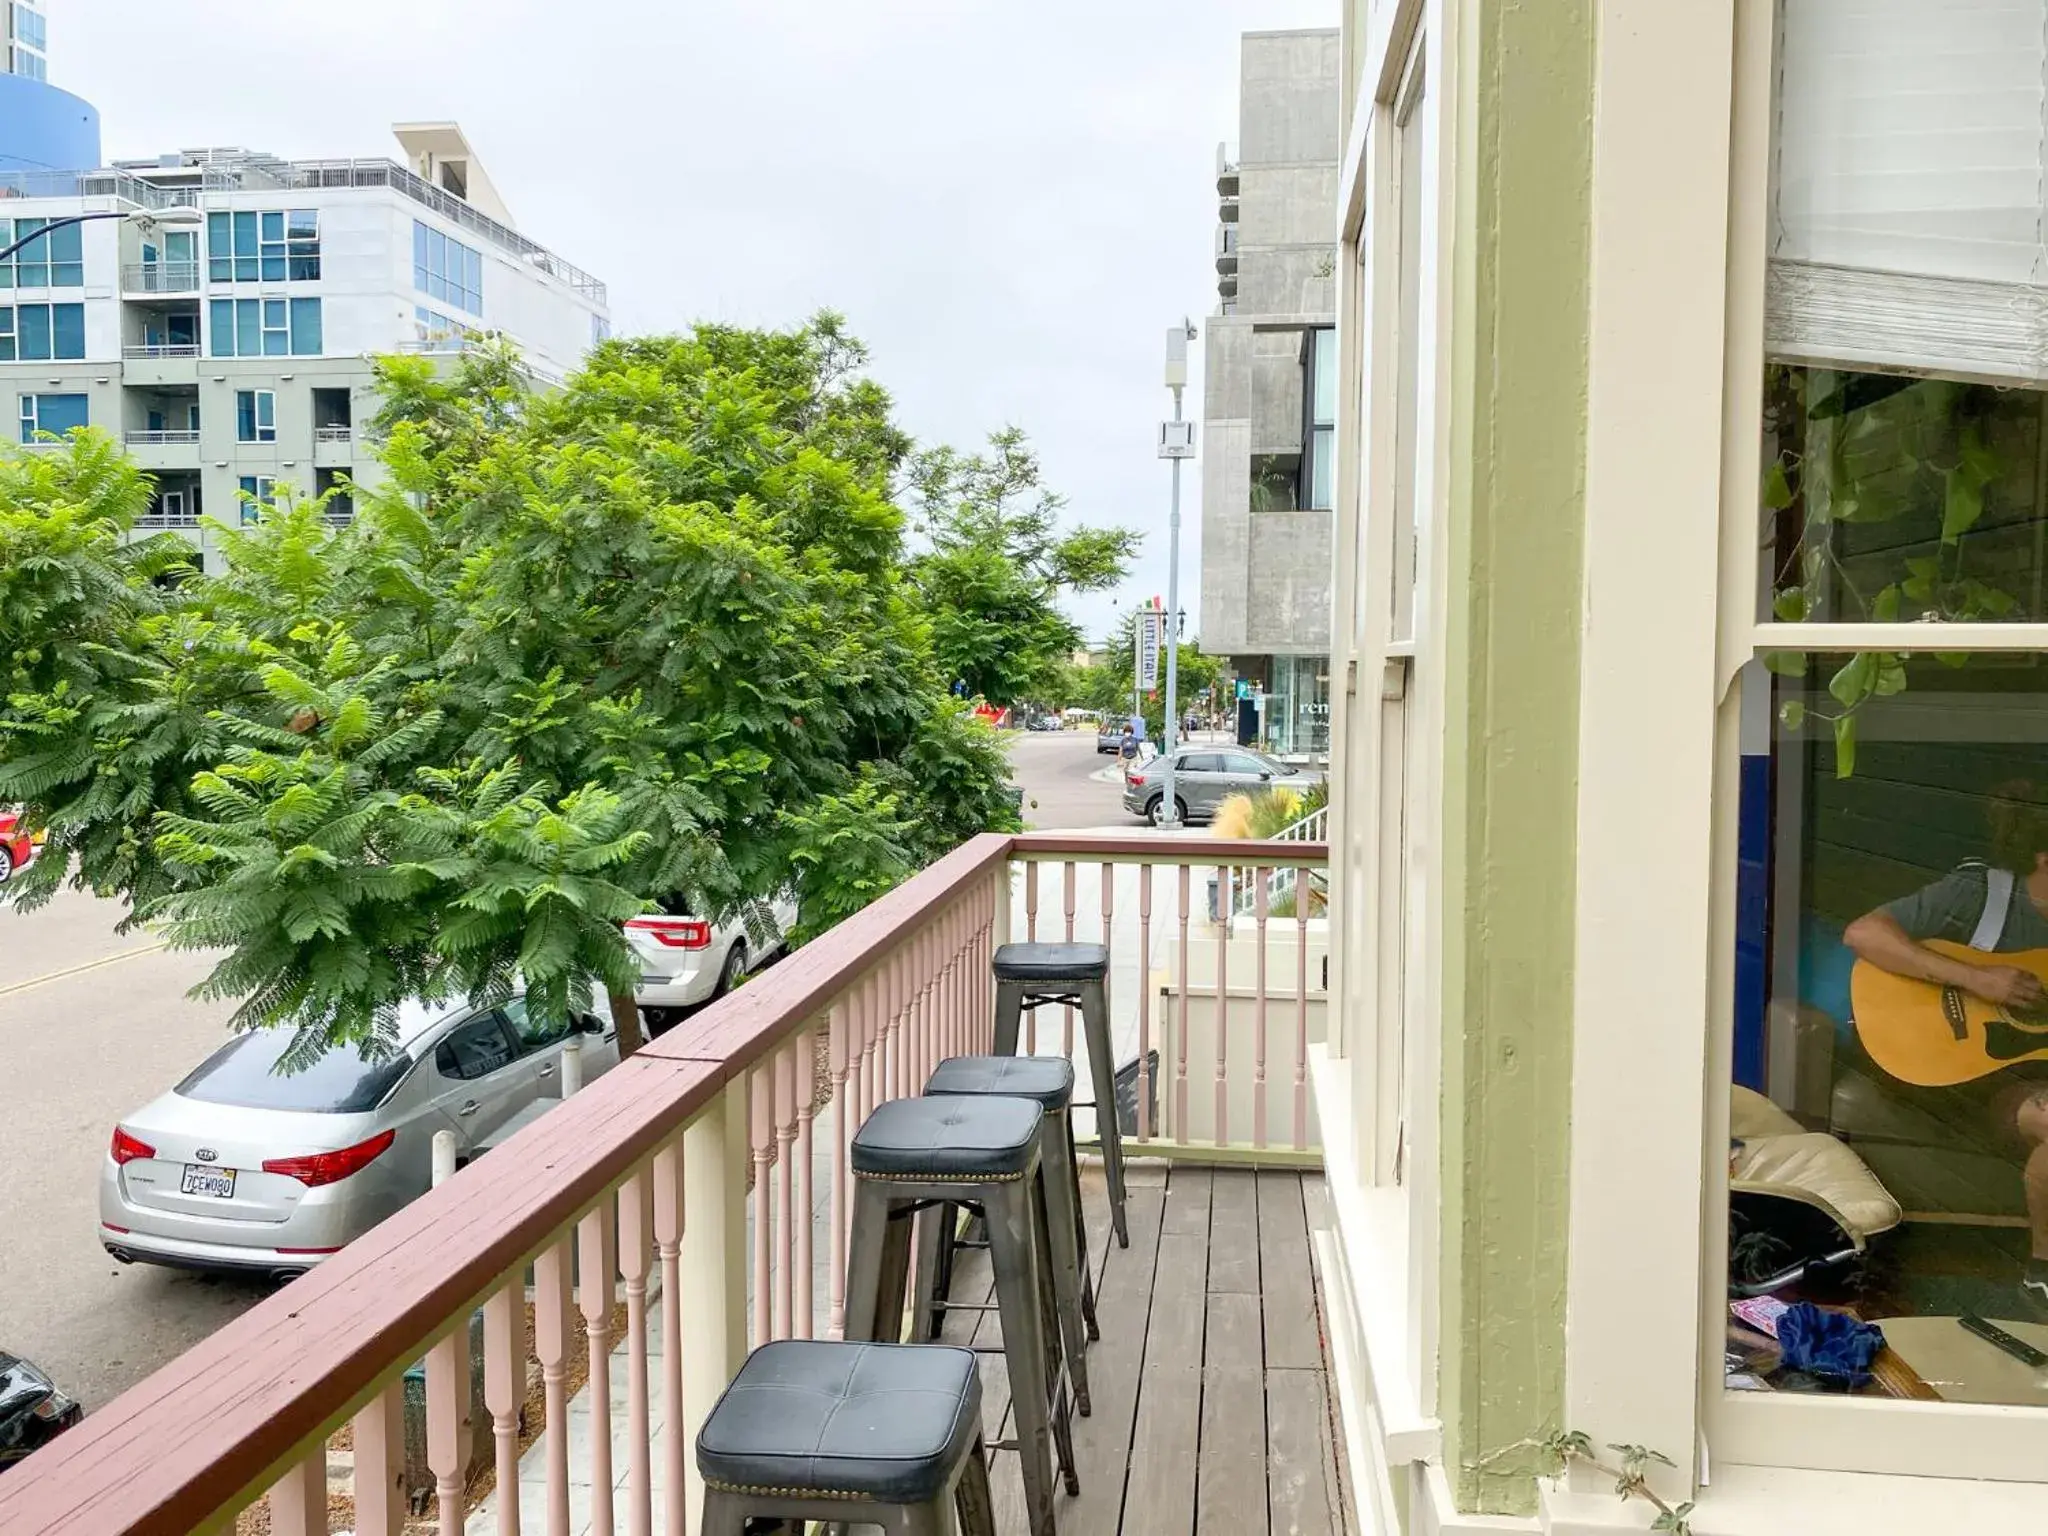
(674, 932)
(127, 1148)
(1137, 778)
(331, 1167)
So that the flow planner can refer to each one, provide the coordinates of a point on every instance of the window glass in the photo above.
(55, 414)
(306, 337)
(271, 246)
(34, 323)
(53, 260)
(67, 330)
(1891, 1032)
(252, 1071)
(255, 416)
(259, 492)
(1887, 496)
(475, 1049)
(447, 270)
(534, 1034)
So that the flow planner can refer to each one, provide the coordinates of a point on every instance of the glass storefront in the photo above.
(1297, 722)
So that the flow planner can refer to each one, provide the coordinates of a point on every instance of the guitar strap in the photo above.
(1998, 888)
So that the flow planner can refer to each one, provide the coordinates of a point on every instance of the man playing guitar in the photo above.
(2000, 907)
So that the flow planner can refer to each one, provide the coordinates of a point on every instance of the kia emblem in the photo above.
(206, 1154)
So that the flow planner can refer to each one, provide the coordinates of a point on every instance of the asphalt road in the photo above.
(94, 1023)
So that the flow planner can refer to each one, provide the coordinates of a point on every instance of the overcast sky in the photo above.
(1010, 203)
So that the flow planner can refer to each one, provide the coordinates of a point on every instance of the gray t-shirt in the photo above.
(1952, 907)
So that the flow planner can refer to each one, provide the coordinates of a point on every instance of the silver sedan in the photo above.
(256, 1163)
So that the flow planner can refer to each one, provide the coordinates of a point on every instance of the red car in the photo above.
(16, 846)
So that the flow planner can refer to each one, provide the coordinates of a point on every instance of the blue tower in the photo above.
(42, 129)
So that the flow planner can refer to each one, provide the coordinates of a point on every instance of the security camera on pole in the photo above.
(1176, 442)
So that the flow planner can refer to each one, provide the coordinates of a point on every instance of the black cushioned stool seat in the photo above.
(1048, 1080)
(881, 1433)
(1032, 976)
(947, 1138)
(1051, 962)
(918, 1162)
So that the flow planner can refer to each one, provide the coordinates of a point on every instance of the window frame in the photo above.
(31, 413)
(263, 488)
(446, 270)
(260, 246)
(259, 424)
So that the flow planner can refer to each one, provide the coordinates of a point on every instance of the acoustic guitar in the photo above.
(1934, 1036)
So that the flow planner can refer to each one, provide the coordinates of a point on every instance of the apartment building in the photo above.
(1269, 393)
(224, 332)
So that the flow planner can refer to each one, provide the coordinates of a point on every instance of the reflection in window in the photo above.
(1319, 434)
(271, 246)
(1889, 1153)
(55, 260)
(1889, 497)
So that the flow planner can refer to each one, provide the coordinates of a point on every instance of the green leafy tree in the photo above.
(998, 561)
(1112, 680)
(652, 634)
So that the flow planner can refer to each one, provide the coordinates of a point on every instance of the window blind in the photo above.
(1910, 224)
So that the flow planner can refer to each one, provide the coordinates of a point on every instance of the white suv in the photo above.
(685, 960)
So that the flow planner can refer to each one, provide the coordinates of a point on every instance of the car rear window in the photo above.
(248, 1072)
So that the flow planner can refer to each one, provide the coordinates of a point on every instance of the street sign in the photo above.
(1244, 688)
(1150, 624)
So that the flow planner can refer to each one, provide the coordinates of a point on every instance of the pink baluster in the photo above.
(636, 1253)
(448, 1422)
(551, 1336)
(298, 1500)
(787, 1218)
(1144, 1002)
(380, 1463)
(1068, 873)
(1261, 893)
(505, 1392)
(1301, 1008)
(841, 1051)
(806, 1179)
(1180, 1034)
(668, 1248)
(761, 1130)
(1031, 937)
(595, 1266)
(1223, 899)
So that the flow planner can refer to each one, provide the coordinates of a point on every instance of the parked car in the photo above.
(686, 960)
(16, 846)
(32, 1411)
(1204, 777)
(1044, 723)
(254, 1164)
(1109, 739)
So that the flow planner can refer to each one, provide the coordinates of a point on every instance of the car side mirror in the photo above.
(590, 1024)
(1264, 774)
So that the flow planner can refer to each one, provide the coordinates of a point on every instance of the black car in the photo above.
(32, 1411)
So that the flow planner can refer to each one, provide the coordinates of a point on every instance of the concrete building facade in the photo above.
(231, 352)
(1269, 393)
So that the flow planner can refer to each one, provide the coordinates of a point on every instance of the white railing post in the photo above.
(572, 1065)
(714, 1257)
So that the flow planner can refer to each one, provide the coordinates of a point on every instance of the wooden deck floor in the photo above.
(1212, 1412)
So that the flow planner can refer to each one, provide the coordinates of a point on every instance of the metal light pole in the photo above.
(1176, 442)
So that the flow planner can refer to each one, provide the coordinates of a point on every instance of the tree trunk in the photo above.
(626, 1019)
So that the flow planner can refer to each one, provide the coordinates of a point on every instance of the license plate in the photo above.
(201, 1180)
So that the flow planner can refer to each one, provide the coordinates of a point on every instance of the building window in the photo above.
(1319, 411)
(265, 327)
(447, 269)
(438, 333)
(600, 330)
(55, 260)
(30, 28)
(268, 246)
(259, 495)
(30, 66)
(55, 414)
(255, 416)
(40, 333)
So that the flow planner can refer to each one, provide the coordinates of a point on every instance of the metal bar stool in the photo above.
(1050, 1081)
(932, 1155)
(877, 1434)
(1032, 976)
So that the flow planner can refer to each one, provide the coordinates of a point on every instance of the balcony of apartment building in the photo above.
(1226, 250)
(334, 431)
(160, 425)
(159, 339)
(532, 1346)
(175, 503)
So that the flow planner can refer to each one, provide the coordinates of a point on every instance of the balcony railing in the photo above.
(692, 1190)
(161, 277)
(161, 349)
(333, 434)
(157, 437)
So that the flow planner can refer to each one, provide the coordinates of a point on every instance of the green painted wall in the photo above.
(1518, 357)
